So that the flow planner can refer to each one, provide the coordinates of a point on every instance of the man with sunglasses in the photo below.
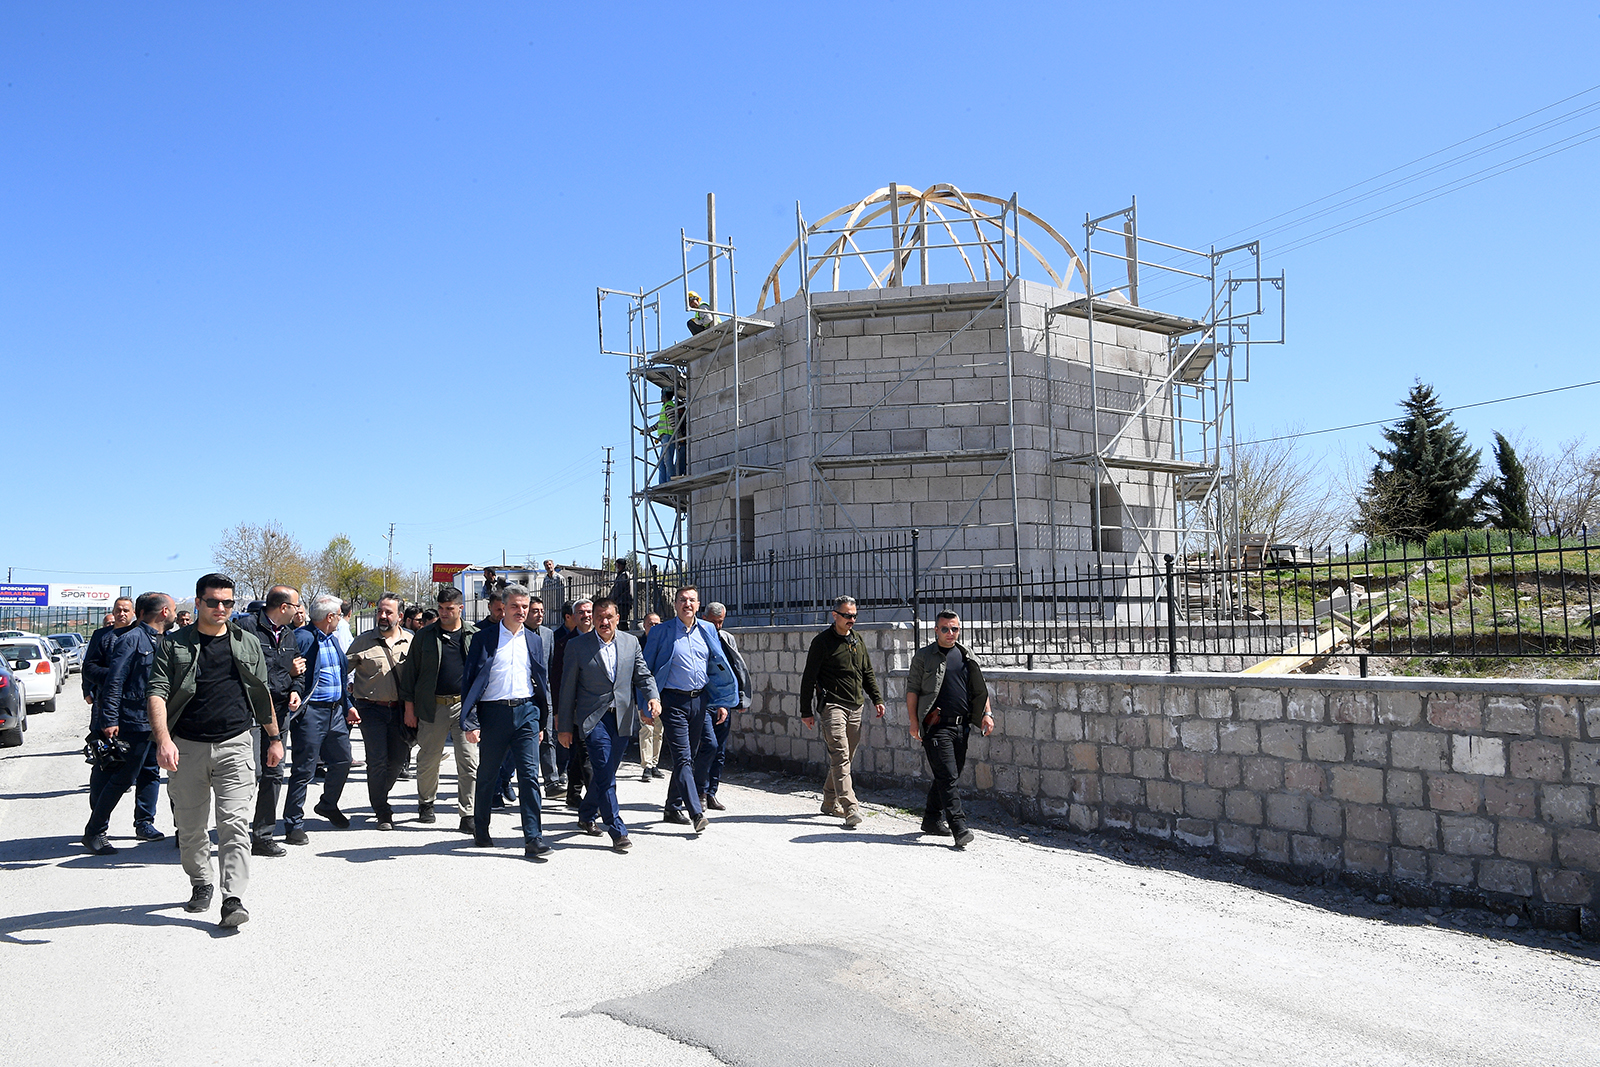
(208, 691)
(837, 671)
(945, 697)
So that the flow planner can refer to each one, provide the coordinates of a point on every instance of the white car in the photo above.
(72, 646)
(42, 675)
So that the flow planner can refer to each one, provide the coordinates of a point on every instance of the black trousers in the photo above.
(577, 769)
(385, 742)
(269, 780)
(946, 746)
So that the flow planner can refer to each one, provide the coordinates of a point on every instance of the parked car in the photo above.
(73, 646)
(13, 707)
(30, 659)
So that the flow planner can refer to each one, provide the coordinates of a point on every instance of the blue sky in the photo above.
(251, 254)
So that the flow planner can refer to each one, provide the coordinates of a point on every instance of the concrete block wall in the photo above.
(1452, 790)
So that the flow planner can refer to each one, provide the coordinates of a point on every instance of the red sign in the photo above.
(445, 573)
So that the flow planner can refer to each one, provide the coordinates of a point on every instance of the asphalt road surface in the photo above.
(776, 938)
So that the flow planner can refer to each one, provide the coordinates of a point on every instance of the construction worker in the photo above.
(702, 318)
(670, 433)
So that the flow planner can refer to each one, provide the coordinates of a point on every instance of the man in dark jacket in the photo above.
(622, 592)
(97, 656)
(837, 671)
(271, 625)
(120, 713)
(945, 697)
(431, 681)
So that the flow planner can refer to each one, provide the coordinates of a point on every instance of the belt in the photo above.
(325, 703)
(379, 703)
(506, 703)
(686, 692)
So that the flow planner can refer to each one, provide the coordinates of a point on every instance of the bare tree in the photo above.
(344, 575)
(1285, 493)
(259, 557)
(1563, 485)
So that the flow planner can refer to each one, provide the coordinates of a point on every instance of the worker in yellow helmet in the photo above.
(702, 317)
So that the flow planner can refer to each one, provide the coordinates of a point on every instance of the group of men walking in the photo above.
(212, 702)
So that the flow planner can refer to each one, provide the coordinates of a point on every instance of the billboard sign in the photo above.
(78, 595)
(445, 573)
(26, 596)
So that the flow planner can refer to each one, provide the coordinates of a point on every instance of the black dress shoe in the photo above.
(296, 836)
(674, 815)
(589, 828)
(99, 845)
(621, 844)
(199, 899)
(266, 846)
(574, 801)
(701, 822)
(425, 813)
(147, 832)
(554, 790)
(385, 824)
(656, 772)
(482, 840)
(537, 849)
(339, 819)
(937, 828)
(233, 913)
(466, 826)
(713, 803)
(964, 837)
(644, 774)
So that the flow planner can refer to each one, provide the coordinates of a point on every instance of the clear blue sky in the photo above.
(251, 254)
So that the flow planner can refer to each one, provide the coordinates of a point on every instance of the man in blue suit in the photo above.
(601, 669)
(697, 688)
(506, 708)
(322, 732)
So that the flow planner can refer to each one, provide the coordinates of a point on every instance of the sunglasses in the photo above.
(213, 602)
(843, 615)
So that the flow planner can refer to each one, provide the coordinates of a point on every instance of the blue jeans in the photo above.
(685, 726)
(605, 746)
(106, 788)
(319, 733)
(499, 736)
(719, 754)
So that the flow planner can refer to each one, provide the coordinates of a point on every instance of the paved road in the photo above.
(777, 938)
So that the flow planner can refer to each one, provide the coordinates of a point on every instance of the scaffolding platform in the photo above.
(884, 459)
(685, 484)
(710, 340)
(916, 304)
(1133, 463)
(1117, 314)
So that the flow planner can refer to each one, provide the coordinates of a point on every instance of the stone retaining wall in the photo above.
(1457, 791)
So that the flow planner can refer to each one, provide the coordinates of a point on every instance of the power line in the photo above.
(1450, 410)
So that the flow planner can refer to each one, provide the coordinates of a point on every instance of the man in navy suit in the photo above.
(506, 709)
(601, 669)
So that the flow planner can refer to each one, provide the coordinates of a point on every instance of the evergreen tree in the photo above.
(1505, 496)
(1418, 483)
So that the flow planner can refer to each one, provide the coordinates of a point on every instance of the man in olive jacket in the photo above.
(208, 692)
(945, 697)
(430, 682)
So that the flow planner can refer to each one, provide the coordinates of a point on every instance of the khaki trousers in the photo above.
(841, 732)
(225, 772)
(431, 737)
(650, 738)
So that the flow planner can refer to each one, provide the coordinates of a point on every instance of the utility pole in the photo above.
(388, 567)
(606, 538)
(711, 250)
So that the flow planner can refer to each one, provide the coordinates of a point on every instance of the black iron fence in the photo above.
(1472, 594)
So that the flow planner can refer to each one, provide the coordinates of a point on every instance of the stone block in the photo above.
(1069, 726)
(1510, 715)
(1326, 744)
(1579, 848)
(1403, 789)
(1044, 724)
(1558, 716)
(1569, 805)
(1366, 857)
(1450, 870)
(1273, 846)
(1181, 702)
(1306, 777)
(1504, 876)
(1367, 822)
(1369, 745)
(1351, 707)
(1052, 756)
(1455, 712)
(1450, 792)
(1327, 818)
(1238, 738)
(1288, 812)
(1196, 833)
(1198, 735)
(1585, 762)
(1055, 784)
(1149, 763)
(1359, 785)
(1164, 732)
(1093, 700)
(1566, 887)
(1510, 798)
(1115, 760)
(1128, 792)
(1146, 700)
(1243, 806)
(1419, 750)
(1260, 705)
(1283, 740)
(1084, 788)
(1520, 840)
(1028, 781)
(1215, 704)
(1236, 840)
(1202, 802)
(1417, 829)
(1118, 819)
(1466, 835)
(1408, 865)
(1471, 754)
(1164, 797)
(1306, 705)
(1186, 767)
(1133, 732)
(1084, 757)
(1101, 728)
(1318, 852)
(1082, 817)
(1543, 761)
(1223, 772)
(1399, 709)
(1262, 773)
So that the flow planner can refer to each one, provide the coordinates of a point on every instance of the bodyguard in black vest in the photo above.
(945, 697)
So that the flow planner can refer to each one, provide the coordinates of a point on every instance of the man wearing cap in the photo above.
(375, 659)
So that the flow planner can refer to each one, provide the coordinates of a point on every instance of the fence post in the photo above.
(772, 586)
(1172, 619)
(916, 592)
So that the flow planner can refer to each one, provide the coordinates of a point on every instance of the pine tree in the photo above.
(1505, 497)
(1418, 483)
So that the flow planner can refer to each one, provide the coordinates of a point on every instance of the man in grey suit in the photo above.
(600, 671)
